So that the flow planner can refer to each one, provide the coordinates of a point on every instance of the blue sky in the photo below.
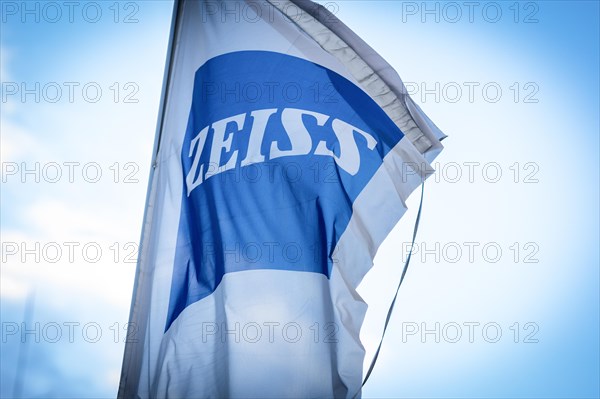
(509, 236)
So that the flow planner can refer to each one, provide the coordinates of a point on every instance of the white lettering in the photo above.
(198, 142)
(227, 130)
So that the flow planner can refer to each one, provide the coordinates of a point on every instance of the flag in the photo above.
(286, 149)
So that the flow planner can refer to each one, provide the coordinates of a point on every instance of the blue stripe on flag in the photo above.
(282, 203)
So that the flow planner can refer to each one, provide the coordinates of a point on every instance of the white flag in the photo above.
(286, 150)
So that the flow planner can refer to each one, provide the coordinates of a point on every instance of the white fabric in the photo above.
(179, 363)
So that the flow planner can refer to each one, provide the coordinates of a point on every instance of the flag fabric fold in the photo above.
(286, 151)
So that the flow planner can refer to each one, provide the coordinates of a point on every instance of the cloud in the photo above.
(13, 289)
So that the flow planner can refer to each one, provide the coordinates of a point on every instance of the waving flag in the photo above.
(286, 149)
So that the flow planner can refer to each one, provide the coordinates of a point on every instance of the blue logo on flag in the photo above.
(276, 151)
